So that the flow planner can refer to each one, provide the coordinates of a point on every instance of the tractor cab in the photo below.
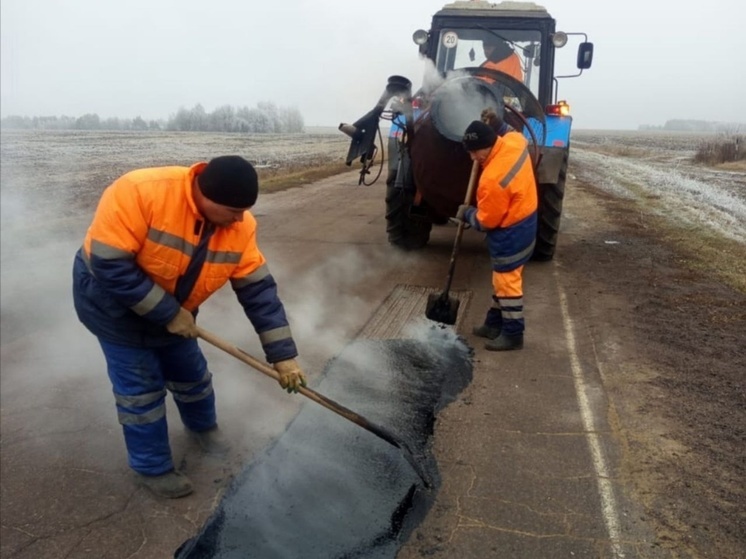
(516, 38)
(516, 53)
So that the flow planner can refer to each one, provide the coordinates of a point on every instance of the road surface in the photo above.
(616, 432)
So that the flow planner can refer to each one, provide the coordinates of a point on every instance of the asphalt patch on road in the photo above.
(327, 488)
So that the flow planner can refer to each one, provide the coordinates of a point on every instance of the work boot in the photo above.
(211, 441)
(170, 485)
(485, 331)
(505, 343)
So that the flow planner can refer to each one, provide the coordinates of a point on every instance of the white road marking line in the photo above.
(605, 488)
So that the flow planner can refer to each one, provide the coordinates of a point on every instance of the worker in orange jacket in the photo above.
(500, 56)
(161, 242)
(507, 211)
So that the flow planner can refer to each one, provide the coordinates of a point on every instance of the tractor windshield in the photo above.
(514, 52)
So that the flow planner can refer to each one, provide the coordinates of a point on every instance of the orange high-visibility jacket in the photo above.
(510, 65)
(507, 203)
(139, 245)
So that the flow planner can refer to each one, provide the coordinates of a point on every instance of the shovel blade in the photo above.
(442, 308)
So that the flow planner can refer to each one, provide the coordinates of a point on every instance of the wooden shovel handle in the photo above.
(460, 230)
(472, 182)
(307, 392)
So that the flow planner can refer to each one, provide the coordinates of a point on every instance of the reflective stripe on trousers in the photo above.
(494, 318)
(139, 378)
(508, 288)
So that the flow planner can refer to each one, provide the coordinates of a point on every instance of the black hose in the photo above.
(365, 171)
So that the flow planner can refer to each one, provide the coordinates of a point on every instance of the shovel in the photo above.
(441, 307)
(321, 399)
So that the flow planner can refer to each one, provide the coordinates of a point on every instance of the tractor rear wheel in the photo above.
(404, 230)
(550, 212)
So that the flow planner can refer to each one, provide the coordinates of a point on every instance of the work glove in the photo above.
(459, 222)
(461, 211)
(469, 220)
(183, 324)
(291, 376)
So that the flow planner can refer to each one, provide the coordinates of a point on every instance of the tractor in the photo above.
(480, 56)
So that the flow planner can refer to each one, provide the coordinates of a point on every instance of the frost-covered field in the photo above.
(57, 175)
(62, 172)
(657, 168)
(51, 181)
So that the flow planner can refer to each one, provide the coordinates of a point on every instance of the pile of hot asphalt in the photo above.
(329, 488)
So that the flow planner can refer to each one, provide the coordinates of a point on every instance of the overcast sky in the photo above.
(654, 60)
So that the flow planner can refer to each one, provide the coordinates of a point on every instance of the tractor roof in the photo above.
(480, 8)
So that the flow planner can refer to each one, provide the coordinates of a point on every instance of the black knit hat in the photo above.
(478, 135)
(229, 180)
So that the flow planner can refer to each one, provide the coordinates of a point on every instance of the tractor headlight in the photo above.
(559, 39)
(420, 37)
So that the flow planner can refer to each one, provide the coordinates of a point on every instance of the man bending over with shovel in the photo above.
(506, 211)
(161, 242)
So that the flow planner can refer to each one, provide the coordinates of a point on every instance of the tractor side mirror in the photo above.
(585, 55)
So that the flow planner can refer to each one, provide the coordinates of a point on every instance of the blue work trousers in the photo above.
(140, 377)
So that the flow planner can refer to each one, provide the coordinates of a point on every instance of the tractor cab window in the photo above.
(514, 52)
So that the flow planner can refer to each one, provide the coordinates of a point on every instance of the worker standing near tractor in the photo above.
(163, 240)
(507, 211)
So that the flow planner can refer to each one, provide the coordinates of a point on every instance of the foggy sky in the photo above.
(654, 60)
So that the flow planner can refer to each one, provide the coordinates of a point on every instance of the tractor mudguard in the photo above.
(552, 160)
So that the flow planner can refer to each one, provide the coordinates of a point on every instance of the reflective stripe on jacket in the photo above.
(507, 203)
(142, 238)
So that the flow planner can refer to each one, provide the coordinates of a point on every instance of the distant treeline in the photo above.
(265, 118)
(681, 125)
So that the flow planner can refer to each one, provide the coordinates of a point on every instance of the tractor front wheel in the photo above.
(404, 230)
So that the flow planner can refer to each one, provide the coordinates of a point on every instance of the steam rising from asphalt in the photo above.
(49, 358)
(324, 314)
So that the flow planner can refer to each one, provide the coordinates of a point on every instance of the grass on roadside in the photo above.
(709, 254)
(275, 180)
(726, 148)
(700, 250)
